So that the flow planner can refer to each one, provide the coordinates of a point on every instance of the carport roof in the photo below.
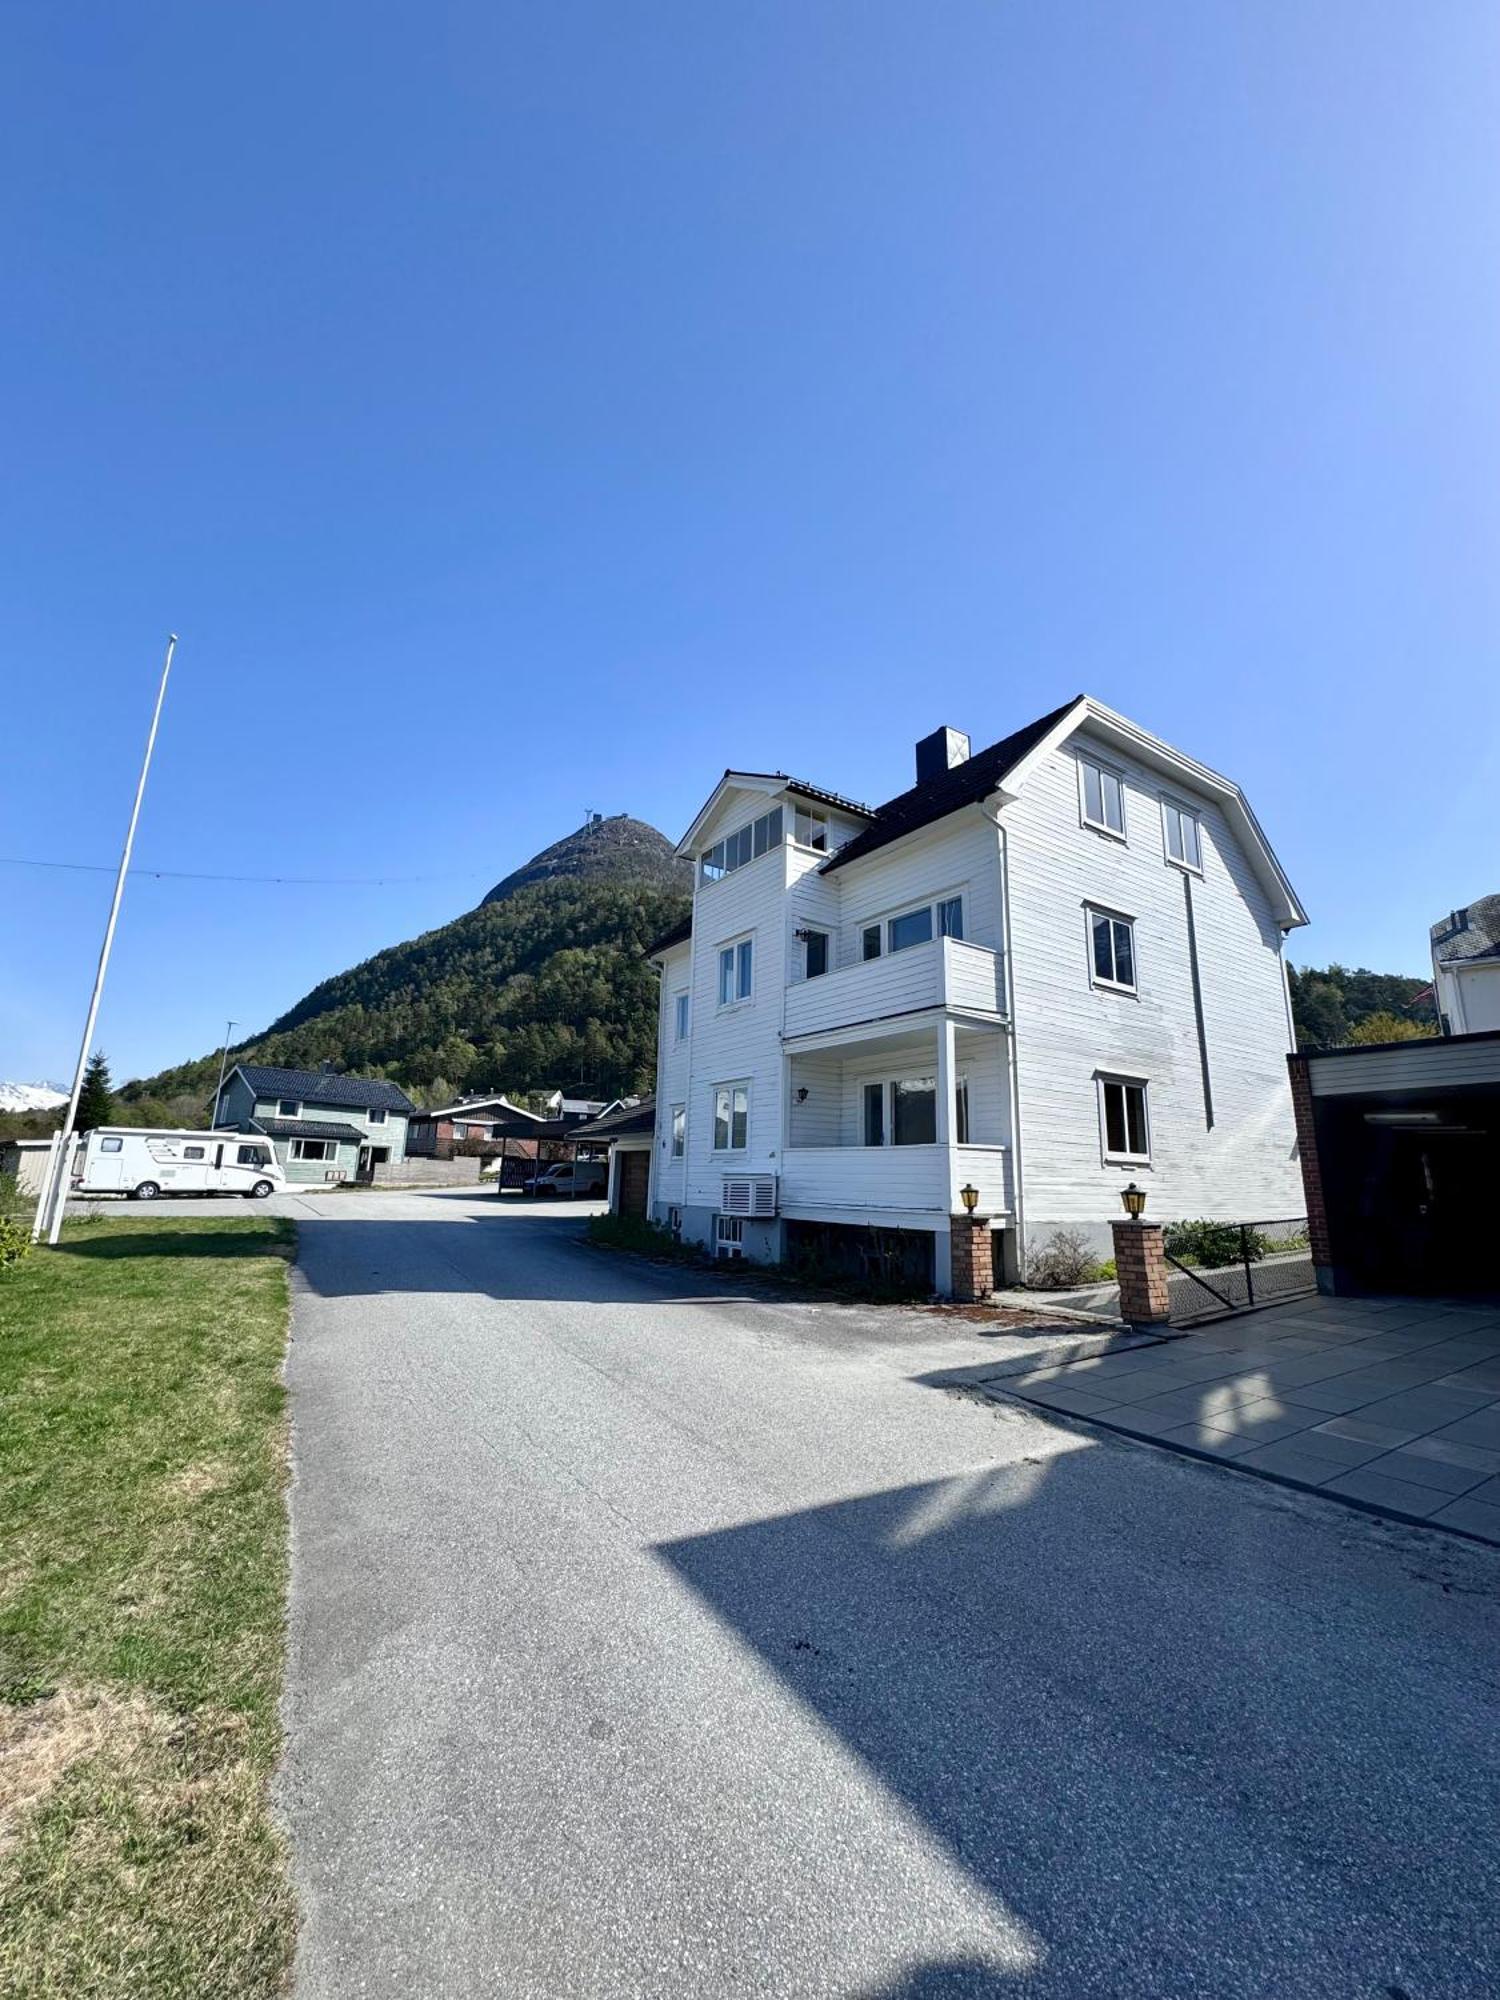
(308, 1128)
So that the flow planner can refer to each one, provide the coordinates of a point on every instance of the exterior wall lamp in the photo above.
(969, 1196)
(1134, 1199)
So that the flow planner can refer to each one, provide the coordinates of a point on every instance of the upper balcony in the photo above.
(945, 972)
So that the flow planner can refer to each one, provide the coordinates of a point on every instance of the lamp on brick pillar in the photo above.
(1140, 1263)
(973, 1249)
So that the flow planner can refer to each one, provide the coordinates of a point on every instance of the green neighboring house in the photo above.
(324, 1127)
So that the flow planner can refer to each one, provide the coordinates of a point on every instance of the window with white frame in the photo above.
(815, 950)
(736, 971)
(729, 1236)
(1125, 1126)
(731, 1117)
(289, 1107)
(1111, 950)
(1101, 797)
(679, 1130)
(742, 846)
(903, 1111)
(944, 918)
(810, 828)
(314, 1149)
(1180, 831)
(680, 1017)
(377, 1114)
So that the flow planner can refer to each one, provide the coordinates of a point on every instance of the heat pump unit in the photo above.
(749, 1194)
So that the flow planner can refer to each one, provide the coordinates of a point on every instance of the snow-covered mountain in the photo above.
(30, 1097)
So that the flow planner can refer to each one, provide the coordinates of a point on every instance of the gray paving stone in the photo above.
(1483, 1428)
(1204, 1437)
(1361, 1428)
(1471, 1455)
(1079, 1402)
(1142, 1423)
(1425, 1409)
(1340, 1452)
(1489, 1493)
(1181, 1405)
(1423, 1471)
(1404, 1496)
(1474, 1516)
(1285, 1459)
(1337, 1395)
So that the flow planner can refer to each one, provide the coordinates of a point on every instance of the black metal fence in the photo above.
(1224, 1267)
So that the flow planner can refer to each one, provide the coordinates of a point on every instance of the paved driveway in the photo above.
(652, 1641)
(1390, 1403)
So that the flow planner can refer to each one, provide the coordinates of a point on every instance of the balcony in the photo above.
(947, 972)
(881, 1183)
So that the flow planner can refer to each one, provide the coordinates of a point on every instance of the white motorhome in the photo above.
(134, 1160)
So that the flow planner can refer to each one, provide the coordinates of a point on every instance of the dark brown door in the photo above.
(635, 1176)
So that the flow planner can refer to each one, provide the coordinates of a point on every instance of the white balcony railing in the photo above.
(871, 1180)
(944, 973)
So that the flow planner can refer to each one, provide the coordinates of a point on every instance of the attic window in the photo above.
(735, 849)
(810, 829)
(289, 1107)
(1103, 797)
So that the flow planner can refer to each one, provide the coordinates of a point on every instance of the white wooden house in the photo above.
(1049, 968)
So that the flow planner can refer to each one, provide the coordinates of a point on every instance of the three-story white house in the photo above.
(1049, 968)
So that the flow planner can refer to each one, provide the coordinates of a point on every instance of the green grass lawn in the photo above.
(143, 1563)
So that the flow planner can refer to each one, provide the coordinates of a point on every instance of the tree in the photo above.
(96, 1101)
(1390, 1028)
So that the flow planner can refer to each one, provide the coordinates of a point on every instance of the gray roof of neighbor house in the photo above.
(678, 934)
(308, 1128)
(323, 1086)
(964, 785)
(1473, 932)
(626, 1118)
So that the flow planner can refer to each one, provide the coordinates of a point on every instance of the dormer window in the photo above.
(289, 1107)
(810, 829)
(735, 849)
(1102, 797)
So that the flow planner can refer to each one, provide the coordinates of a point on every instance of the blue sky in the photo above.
(521, 410)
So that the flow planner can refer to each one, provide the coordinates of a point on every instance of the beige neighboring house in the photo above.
(27, 1160)
(1466, 968)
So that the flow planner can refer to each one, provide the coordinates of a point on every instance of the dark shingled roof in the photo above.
(1470, 933)
(948, 792)
(308, 1128)
(678, 934)
(319, 1086)
(615, 1124)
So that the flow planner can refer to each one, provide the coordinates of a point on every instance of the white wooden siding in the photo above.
(1067, 1030)
(673, 1074)
(958, 856)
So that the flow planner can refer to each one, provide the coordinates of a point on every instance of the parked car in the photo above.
(139, 1161)
(570, 1179)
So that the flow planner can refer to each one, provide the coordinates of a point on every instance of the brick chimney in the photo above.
(940, 752)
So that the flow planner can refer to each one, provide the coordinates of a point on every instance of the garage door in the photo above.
(635, 1174)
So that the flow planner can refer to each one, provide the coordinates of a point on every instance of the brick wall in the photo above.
(1312, 1170)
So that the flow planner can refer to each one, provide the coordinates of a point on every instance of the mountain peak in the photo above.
(620, 849)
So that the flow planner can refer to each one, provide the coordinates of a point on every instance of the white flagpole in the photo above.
(39, 1220)
(56, 1192)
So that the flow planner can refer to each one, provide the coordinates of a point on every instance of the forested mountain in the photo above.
(620, 849)
(544, 988)
(1336, 1004)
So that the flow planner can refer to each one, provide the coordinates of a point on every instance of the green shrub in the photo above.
(15, 1241)
(1212, 1243)
(646, 1239)
(1063, 1261)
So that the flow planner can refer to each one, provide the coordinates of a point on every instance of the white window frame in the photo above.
(1088, 762)
(1169, 806)
(742, 992)
(815, 819)
(1097, 978)
(289, 1107)
(677, 1133)
(736, 1087)
(729, 1236)
(376, 1114)
(329, 1150)
(1106, 1080)
(760, 836)
(807, 946)
(682, 1015)
(886, 1085)
(934, 905)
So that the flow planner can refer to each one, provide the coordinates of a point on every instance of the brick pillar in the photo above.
(973, 1257)
(1312, 1173)
(1141, 1266)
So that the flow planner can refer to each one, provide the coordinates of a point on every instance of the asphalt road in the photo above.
(651, 1640)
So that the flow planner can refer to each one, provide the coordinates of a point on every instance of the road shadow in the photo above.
(1172, 1771)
